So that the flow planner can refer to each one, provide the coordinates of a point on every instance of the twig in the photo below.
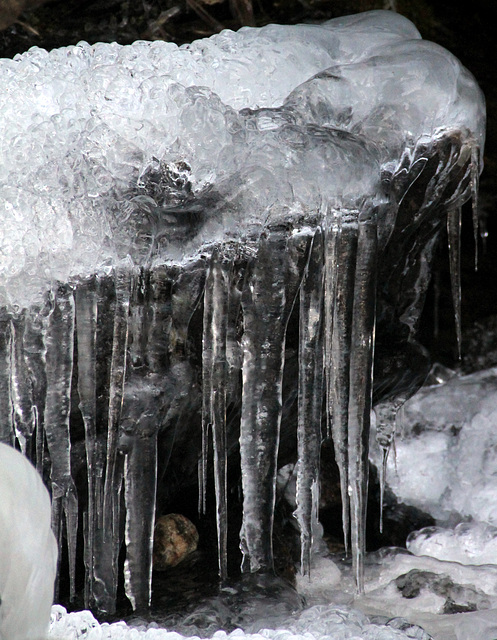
(206, 17)
(243, 11)
(28, 28)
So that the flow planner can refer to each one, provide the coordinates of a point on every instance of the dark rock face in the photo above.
(480, 345)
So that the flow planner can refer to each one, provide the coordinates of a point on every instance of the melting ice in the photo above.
(285, 171)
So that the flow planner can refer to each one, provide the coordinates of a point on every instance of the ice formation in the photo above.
(315, 623)
(298, 170)
(28, 550)
(444, 459)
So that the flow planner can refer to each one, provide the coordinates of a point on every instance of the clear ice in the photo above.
(304, 167)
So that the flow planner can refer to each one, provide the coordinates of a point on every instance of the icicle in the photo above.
(214, 380)
(386, 423)
(339, 368)
(474, 183)
(361, 373)
(310, 396)
(21, 386)
(207, 388)
(267, 301)
(108, 535)
(140, 421)
(454, 238)
(59, 366)
(86, 331)
(6, 423)
(36, 323)
(332, 232)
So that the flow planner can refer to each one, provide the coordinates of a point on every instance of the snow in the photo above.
(28, 550)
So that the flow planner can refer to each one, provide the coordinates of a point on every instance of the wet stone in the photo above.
(458, 598)
(175, 538)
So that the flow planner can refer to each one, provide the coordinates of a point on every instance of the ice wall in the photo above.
(251, 176)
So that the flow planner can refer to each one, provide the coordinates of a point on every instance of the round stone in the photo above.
(175, 537)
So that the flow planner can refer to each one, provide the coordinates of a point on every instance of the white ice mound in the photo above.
(28, 551)
(473, 543)
(445, 459)
(152, 150)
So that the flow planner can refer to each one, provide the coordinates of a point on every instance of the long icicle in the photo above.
(267, 300)
(110, 528)
(207, 388)
(341, 245)
(454, 239)
(214, 380)
(310, 397)
(140, 422)
(361, 374)
(341, 351)
(59, 367)
(6, 423)
(86, 332)
(474, 184)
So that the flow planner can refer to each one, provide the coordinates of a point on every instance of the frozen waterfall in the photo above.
(165, 213)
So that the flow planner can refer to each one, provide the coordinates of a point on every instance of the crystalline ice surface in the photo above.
(28, 551)
(85, 129)
(445, 460)
(338, 623)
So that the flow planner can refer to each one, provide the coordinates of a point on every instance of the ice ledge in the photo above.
(112, 151)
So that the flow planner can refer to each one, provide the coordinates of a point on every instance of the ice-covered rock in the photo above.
(472, 543)
(449, 600)
(444, 460)
(28, 550)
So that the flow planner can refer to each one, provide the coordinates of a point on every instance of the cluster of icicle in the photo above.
(115, 344)
(328, 271)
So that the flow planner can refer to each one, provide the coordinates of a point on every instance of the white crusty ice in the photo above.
(445, 461)
(86, 131)
(473, 543)
(316, 623)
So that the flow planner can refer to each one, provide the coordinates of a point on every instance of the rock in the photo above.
(458, 598)
(175, 537)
